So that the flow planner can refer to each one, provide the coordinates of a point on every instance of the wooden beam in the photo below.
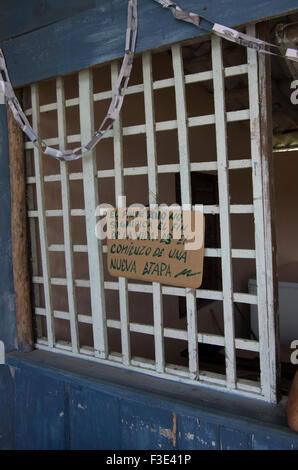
(98, 35)
(19, 236)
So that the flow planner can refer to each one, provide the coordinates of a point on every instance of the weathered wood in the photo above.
(224, 209)
(42, 224)
(269, 205)
(119, 193)
(95, 255)
(258, 76)
(65, 193)
(98, 35)
(153, 199)
(19, 236)
(185, 184)
(19, 17)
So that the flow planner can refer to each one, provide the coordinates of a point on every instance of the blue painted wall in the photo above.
(7, 307)
(98, 35)
(58, 407)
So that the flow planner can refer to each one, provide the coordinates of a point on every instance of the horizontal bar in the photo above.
(209, 252)
(172, 372)
(157, 85)
(208, 209)
(232, 116)
(143, 170)
(58, 213)
(147, 289)
(203, 338)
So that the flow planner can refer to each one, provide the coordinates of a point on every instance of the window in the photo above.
(174, 124)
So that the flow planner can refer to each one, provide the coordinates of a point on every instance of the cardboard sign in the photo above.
(169, 258)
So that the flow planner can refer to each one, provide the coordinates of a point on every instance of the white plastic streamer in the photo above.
(228, 33)
(7, 92)
(113, 111)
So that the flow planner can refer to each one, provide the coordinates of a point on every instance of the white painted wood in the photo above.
(223, 190)
(91, 201)
(119, 192)
(216, 253)
(174, 373)
(267, 340)
(234, 209)
(137, 170)
(106, 173)
(55, 141)
(185, 184)
(90, 176)
(270, 242)
(42, 219)
(66, 217)
(153, 200)
(205, 338)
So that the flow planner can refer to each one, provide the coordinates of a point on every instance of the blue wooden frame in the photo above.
(98, 35)
(18, 17)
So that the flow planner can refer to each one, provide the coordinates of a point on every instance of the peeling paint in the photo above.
(170, 433)
(12, 371)
(81, 406)
(189, 436)
(165, 433)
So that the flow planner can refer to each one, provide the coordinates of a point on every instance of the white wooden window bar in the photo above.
(91, 177)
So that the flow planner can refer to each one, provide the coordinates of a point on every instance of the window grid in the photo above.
(95, 250)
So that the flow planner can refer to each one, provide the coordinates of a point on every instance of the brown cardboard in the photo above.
(166, 261)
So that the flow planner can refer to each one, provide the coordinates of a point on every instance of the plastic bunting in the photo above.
(124, 75)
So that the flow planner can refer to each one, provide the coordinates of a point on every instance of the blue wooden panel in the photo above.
(145, 427)
(18, 17)
(232, 439)
(8, 332)
(41, 412)
(98, 35)
(196, 434)
(273, 441)
(46, 385)
(6, 408)
(94, 420)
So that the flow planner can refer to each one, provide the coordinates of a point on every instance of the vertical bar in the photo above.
(119, 191)
(19, 236)
(33, 235)
(224, 209)
(32, 232)
(267, 382)
(268, 185)
(153, 200)
(66, 216)
(191, 304)
(95, 256)
(42, 219)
